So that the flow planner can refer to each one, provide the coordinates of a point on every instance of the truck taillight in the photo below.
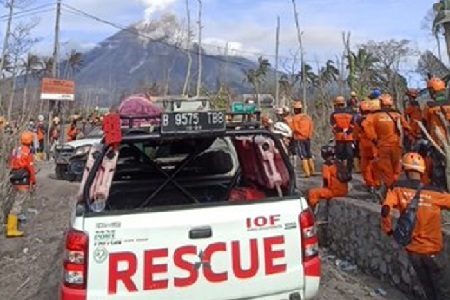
(310, 243)
(75, 259)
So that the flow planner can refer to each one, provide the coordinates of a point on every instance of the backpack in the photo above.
(407, 220)
(342, 173)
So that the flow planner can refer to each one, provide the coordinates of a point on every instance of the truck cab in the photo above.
(194, 208)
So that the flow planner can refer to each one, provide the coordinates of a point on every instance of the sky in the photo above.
(247, 25)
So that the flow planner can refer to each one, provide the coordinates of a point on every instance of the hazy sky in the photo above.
(248, 25)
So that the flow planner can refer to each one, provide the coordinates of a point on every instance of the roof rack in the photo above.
(192, 122)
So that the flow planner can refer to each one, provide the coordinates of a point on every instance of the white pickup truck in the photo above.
(185, 219)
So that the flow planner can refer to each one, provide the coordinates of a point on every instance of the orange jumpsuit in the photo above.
(413, 113)
(303, 129)
(332, 187)
(342, 123)
(72, 132)
(367, 154)
(381, 128)
(426, 251)
(23, 159)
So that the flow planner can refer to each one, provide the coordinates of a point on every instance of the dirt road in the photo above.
(30, 268)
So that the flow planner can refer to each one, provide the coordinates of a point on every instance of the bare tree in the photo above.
(20, 43)
(430, 64)
(30, 66)
(389, 55)
(188, 47)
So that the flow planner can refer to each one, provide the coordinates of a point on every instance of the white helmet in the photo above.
(41, 118)
(282, 129)
(279, 111)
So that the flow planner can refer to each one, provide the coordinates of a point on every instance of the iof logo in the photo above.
(100, 254)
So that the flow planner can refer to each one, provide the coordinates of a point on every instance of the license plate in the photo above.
(193, 122)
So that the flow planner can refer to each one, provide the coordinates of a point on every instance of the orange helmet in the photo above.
(26, 138)
(386, 100)
(339, 100)
(297, 105)
(436, 85)
(413, 162)
(413, 93)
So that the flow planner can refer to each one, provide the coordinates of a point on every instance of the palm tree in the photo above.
(255, 77)
(73, 64)
(362, 71)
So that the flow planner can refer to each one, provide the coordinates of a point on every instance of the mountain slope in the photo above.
(128, 57)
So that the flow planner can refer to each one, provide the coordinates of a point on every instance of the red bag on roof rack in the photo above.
(138, 108)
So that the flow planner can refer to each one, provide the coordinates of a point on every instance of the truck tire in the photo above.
(60, 172)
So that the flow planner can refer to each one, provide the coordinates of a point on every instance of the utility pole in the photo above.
(302, 57)
(277, 80)
(52, 103)
(189, 54)
(199, 79)
(10, 5)
(56, 41)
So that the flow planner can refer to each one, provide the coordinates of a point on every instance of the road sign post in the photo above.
(55, 90)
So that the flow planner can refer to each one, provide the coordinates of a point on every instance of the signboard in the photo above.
(55, 89)
(193, 122)
(264, 100)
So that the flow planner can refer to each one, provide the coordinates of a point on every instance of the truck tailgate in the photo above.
(220, 252)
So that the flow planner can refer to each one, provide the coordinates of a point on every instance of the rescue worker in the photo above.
(413, 114)
(384, 128)
(72, 131)
(284, 131)
(367, 150)
(41, 131)
(303, 129)
(332, 186)
(342, 125)
(440, 104)
(426, 251)
(352, 103)
(21, 165)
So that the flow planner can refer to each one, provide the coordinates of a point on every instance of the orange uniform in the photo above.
(413, 113)
(427, 234)
(341, 122)
(382, 129)
(72, 133)
(302, 126)
(332, 187)
(22, 159)
(367, 154)
(289, 120)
